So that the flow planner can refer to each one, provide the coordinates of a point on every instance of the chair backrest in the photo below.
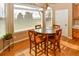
(37, 26)
(34, 36)
(56, 26)
(38, 37)
(31, 35)
(58, 33)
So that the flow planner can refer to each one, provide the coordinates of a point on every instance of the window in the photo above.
(25, 18)
(2, 19)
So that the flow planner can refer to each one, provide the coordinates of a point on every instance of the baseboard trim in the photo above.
(11, 44)
(67, 37)
(70, 37)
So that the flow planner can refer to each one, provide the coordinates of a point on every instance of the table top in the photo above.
(45, 31)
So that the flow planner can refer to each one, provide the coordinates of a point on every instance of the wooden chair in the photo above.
(55, 41)
(37, 26)
(36, 42)
(56, 27)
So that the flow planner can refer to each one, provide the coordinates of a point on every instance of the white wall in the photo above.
(60, 6)
(61, 18)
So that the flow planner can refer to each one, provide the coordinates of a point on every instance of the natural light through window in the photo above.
(2, 20)
(25, 18)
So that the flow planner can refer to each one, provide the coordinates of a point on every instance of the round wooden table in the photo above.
(47, 32)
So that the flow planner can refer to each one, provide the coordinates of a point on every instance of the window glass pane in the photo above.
(25, 18)
(2, 20)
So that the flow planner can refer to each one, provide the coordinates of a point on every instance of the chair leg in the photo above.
(30, 47)
(50, 45)
(35, 50)
(41, 44)
(58, 44)
(45, 47)
(54, 49)
(38, 46)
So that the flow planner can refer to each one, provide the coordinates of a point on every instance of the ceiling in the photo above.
(37, 5)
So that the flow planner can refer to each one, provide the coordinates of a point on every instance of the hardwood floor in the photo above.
(17, 48)
(69, 47)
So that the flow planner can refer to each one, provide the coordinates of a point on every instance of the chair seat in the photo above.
(39, 39)
(53, 40)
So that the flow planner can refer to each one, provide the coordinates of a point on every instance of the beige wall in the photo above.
(68, 6)
(9, 18)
